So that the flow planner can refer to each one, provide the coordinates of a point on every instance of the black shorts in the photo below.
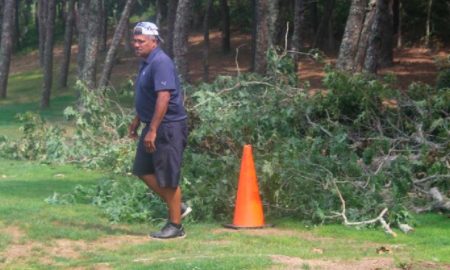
(165, 162)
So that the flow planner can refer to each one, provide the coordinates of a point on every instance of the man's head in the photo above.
(145, 38)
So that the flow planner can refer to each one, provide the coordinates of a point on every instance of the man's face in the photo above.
(144, 45)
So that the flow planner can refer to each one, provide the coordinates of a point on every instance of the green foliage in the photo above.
(97, 140)
(443, 78)
(122, 200)
(371, 142)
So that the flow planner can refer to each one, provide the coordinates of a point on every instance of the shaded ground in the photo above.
(410, 64)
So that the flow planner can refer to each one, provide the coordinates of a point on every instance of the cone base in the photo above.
(235, 227)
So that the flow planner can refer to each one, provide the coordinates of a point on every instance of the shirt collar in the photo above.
(152, 55)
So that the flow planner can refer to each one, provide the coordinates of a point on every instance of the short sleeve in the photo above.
(164, 75)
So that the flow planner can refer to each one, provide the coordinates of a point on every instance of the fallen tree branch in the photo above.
(431, 177)
(317, 125)
(380, 218)
(441, 202)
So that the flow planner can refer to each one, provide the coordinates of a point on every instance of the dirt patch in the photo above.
(70, 249)
(277, 232)
(14, 232)
(290, 263)
(410, 64)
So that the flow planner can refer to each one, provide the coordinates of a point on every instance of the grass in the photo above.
(24, 93)
(84, 230)
(37, 235)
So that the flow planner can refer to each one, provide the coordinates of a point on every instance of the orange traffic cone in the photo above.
(248, 212)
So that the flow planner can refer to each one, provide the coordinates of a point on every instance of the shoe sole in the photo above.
(165, 239)
(186, 212)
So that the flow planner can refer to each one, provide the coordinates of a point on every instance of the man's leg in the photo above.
(172, 197)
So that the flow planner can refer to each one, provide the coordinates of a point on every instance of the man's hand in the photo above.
(132, 129)
(149, 141)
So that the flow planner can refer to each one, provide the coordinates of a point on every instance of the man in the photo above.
(159, 105)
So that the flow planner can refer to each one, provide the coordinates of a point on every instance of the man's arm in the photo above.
(162, 103)
(132, 129)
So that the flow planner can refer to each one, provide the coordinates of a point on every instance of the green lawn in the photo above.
(37, 235)
(24, 93)
(79, 236)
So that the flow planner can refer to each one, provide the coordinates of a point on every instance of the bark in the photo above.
(428, 24)
(262, 38)
(68, 35)
(225, 13)
(374, 46)
(206, 41)
(364, 37)
(297, 39)
(103, 27)
(323, 27)
(89, 71)
(127, 34)
(1, 17)
(17, 34)
(253, 41)
(273, 21)
(159, 6)
(42, 16)
(48, 54)
(6, 44)
(397, 10)
(386, 58)
(82, 23)
(118, 34)
(349, 44)
(171, 18)
(314, 16)
(180, 38)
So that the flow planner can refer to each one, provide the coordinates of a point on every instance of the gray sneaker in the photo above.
(169, 231)
(185, 210)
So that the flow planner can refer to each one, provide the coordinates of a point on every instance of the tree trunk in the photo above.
(428, 24)
(297, 40)
(1, 17)
(68, 34)
(350, 40)
(374, 46)
(103, 31)
(42, 15)
(254, 28)
(225, 12)
(397, 10)
(314, 16)
(17, 34)
(180, 39)
(263, 39)
(319, 39)
(159, 6)
(171, 18)
(364, 36)
(89, 71)
(386, 58)
(274, 22)
(206, 41)
(118, 34)
(48, 54)
(82, 23)
(127, 35)
(6, 44)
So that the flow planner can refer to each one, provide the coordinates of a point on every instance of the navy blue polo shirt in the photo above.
(157, 73)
